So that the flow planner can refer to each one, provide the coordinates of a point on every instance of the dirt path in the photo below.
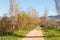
(34, 35)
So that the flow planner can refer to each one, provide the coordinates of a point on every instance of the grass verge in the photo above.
(51, 34)
(18, 35)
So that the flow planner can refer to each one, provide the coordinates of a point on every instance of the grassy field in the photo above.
(51, 34)
(18, 35)
(14, 36)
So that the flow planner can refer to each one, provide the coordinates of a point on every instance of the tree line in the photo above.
(20, 21)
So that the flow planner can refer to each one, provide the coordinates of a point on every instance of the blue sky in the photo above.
(40, 5)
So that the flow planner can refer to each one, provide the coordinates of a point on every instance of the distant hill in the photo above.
(56, 17)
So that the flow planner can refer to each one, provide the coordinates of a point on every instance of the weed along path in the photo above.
(35, 34)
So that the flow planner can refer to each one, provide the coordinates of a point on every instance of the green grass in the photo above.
(51, 34)
(8, 38)
(17, 35)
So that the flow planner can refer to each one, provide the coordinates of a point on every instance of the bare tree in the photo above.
(15, 18)
(12, 7)
(14, 13)
(57, 2)
(45, 14)
(35, 16)
(44, 19)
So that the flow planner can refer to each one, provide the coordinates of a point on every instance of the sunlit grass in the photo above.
(51, 34)
(17, 35)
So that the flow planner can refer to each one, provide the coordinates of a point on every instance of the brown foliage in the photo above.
(18, 21)
(5, 25)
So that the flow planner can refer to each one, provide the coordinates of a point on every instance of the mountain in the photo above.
(56, 17)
